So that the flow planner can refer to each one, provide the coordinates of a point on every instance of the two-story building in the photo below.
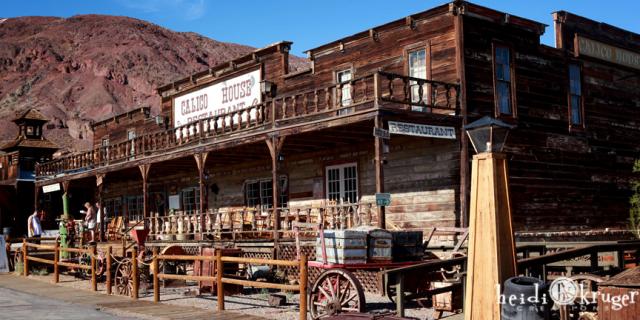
(248, 146)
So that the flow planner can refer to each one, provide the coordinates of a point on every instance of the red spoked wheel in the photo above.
(336, 291)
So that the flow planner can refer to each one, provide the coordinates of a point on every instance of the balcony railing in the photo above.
(253, 222)
(392, 90)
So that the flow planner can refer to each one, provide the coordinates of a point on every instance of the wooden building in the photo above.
(18, 160)
(233, 142)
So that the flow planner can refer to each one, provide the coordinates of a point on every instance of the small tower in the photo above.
(18, 159)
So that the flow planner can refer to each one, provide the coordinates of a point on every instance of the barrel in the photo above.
(529, 303)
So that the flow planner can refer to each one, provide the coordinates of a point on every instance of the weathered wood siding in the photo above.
(560, 178)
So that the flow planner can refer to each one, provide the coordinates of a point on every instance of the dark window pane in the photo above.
(504, 97)
(576, 116)
(574, 79)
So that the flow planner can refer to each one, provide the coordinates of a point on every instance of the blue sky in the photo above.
(307, 23)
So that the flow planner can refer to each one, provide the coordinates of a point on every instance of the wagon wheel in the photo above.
(336, 291)
(85, 260)
(124, 281)
(588, 283)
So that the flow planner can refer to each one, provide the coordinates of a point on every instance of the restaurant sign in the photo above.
(223, 97)
(422, 130)
(599, 50)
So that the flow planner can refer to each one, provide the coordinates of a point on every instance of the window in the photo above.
(503, 80)
(105, 141)
(191, 199)
(113, 207)
(259, 193)
(575, 95)
(343, 78)
(131, 135)
(135, 207)
(342, 183)
(30, 130)
(418, 69)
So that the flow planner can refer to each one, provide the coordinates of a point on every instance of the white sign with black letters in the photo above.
(223, 97)
(422, 130)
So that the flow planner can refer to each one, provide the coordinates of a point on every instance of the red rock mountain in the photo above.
(88, 67)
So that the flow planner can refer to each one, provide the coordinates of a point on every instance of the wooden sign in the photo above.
(51, 188)
(4, 262)
(381, 133)
(422, 130)
(596, 49)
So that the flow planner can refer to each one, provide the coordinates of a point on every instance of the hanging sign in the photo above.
(223, 97)
(381, 133)
(603, 51)
(422, 130)
(51, 188)
(383, 199)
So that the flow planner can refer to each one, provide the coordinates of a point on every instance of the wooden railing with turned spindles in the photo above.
(363, 94)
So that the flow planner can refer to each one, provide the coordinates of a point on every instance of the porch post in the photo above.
(144, 170)
(201, 159)
(274, 143)
(65, 198)
(36, 196)
(379, 145)
(99, 184)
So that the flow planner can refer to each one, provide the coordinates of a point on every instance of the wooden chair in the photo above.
(114, 228)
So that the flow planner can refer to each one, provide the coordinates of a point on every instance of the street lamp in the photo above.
(491, 256)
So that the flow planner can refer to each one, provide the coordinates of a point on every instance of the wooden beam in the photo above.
(275, 144)
(379, 145)
(201, 160)
(99, 187)
(144, 170)
(465, 176)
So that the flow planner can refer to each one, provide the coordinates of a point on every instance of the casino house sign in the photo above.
(223, 97)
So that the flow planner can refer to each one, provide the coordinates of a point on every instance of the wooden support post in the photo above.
(134, 273)
(101, 217)
(379, 145)
(399, 295)
(303, 287)
(274, 144)
(56, 259)
(201, 160)
(36, 196)
(219, 284)
(155, 269)
(109, 280)
(94, 281)
(144, 170)
(461, 100)
(25, 261)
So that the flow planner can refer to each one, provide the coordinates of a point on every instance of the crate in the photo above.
(343, 246)
(407, 246)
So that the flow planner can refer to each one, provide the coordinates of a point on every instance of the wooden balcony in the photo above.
(370, 93)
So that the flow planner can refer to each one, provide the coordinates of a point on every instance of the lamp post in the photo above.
(491, 256)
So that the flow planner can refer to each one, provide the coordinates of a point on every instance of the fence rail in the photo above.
(91, 252)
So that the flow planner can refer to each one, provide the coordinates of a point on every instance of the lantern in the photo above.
(488, 134)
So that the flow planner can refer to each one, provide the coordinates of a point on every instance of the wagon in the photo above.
(339, 283)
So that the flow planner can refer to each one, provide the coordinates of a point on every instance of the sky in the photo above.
(308, 24)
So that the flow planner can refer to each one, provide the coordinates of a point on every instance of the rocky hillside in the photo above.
(89, 67)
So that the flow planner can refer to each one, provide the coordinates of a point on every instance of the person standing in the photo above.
(90, 220)
(34, 227)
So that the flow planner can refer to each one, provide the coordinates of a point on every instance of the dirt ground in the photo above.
(252, 302)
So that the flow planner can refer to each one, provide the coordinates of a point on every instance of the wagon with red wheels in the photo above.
(350, 263)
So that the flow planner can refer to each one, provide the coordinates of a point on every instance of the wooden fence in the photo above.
(56, 249)
(220, 279)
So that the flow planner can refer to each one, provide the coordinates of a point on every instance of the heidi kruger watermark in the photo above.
(563, 292)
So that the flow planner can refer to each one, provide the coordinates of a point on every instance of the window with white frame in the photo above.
(135, 207)
(259, 193)
(343, 78)
(418, 69)
(191, 199)
(342, 183)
